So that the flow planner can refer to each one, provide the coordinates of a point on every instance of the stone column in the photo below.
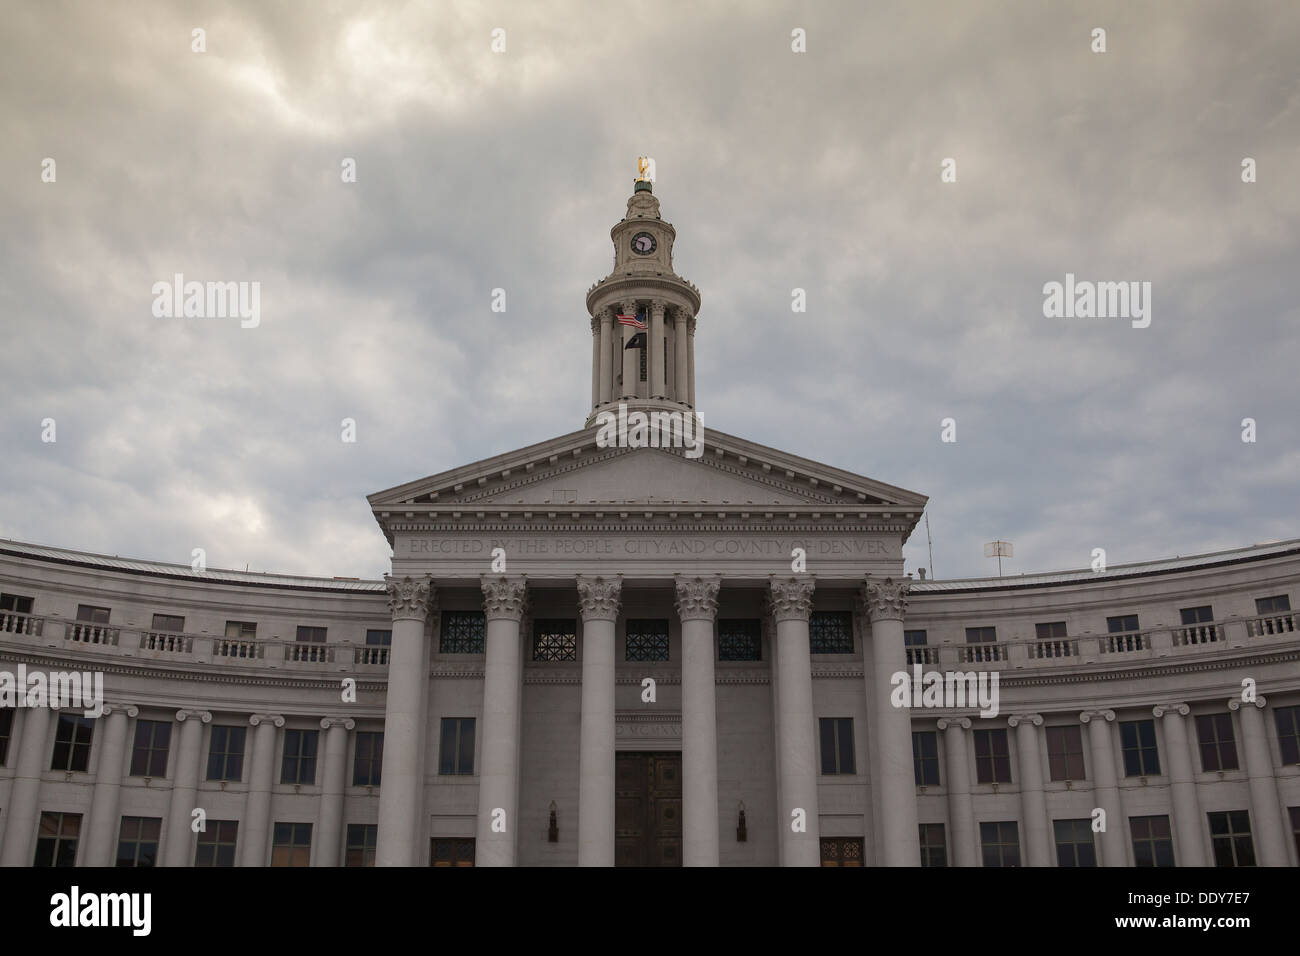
(697, 606)
(1106, 787)
(961, 812)
(185, 786)
(681, 391)
(655, 368)
(598, 599)
(795, 723)
(886, 603)
(606, 346)
(1033, 802)
(631, 357)
(255, 829)
(1182, 786)
(104, 825)
(595, 361)
(690, 365)
(20, 828)
(504, 602)
(329, 827)
(401, 795)
(1268, 834)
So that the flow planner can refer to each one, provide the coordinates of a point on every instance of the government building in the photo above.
(625, 652)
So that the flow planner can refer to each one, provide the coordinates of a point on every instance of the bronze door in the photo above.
(648, 809)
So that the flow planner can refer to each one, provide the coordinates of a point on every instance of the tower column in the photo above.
(631, 360)
(690, 361)
(886, 603)
(401, 796)
(680, 390)
(961, 814)
(595, 361)
(1269, 836)
(1106, 791)
(504, 601)
(1182, 786)
(257, 808)
(655, 369)
(1033, 802)
(796, 812)
(599, 602)
(180, 838)
(329, 838)
(20, 828)
(697, 606)
(606, 366)
(106, 800)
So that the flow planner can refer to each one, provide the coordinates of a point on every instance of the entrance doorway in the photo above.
(648, 809)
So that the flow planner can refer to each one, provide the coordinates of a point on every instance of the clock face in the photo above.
(643, 244)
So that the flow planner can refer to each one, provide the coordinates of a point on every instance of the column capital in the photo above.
(658, 305)
(679, 315)
(697, 597)
(1178, 709)
(347, 723)
(117, 707)
(961, 723)
(690, 325)
(1234, 703)
(595, 324)
(204, 716)
(791, 598)
(886, 600)
(599, 597)
(1106, 715)
(409, 599)
(1035, 720)
(504, 598)
(276, 719)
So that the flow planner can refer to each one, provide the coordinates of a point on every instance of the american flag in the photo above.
(631, 320)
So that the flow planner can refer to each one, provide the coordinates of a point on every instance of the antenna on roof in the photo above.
(1001, 549)
(929, 544)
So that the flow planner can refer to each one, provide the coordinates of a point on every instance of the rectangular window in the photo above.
(291, 845)
(555, 639)
(830, 632)
(149, 753)
(457, 851)
(462, 632)
(1074, 843)
(379, 638)
(837, 745)
(740, 639)
(915, 639)
(934, 851)
(137, 841)
(6, 732)
(226, 753)
(925, 757)
(12, 613)
(299, 765)
(1288, 733)
(1278, 604)
(1000, 843)
(91, 624)
(456, 753)
(1295, 825)
(842, 851)
(56, 844)
(1153, 844)
(168, 623)
(1122, 624)
(1138, 738)
(647, 640)
(1230, 835)
(72, 743)
(92, 615)
(368, 765)
(981, 635)
(1196, 623)
(992, 759)
(378, 643)
(1217, 743)
(310, 635)
(362, 839)
(15, 604)
(216, 845)
(241, 630)
(1065, 753)
(1050, 630)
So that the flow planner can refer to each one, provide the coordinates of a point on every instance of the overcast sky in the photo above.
(818, 170)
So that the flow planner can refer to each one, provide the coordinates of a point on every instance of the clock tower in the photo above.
(654, 367)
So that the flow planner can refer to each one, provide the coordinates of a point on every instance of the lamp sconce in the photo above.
(742, 832)
(553, 831)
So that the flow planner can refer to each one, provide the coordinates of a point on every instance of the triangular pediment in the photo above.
(573, 472)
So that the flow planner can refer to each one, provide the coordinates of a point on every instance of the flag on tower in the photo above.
(631, 320)
(636, 342)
